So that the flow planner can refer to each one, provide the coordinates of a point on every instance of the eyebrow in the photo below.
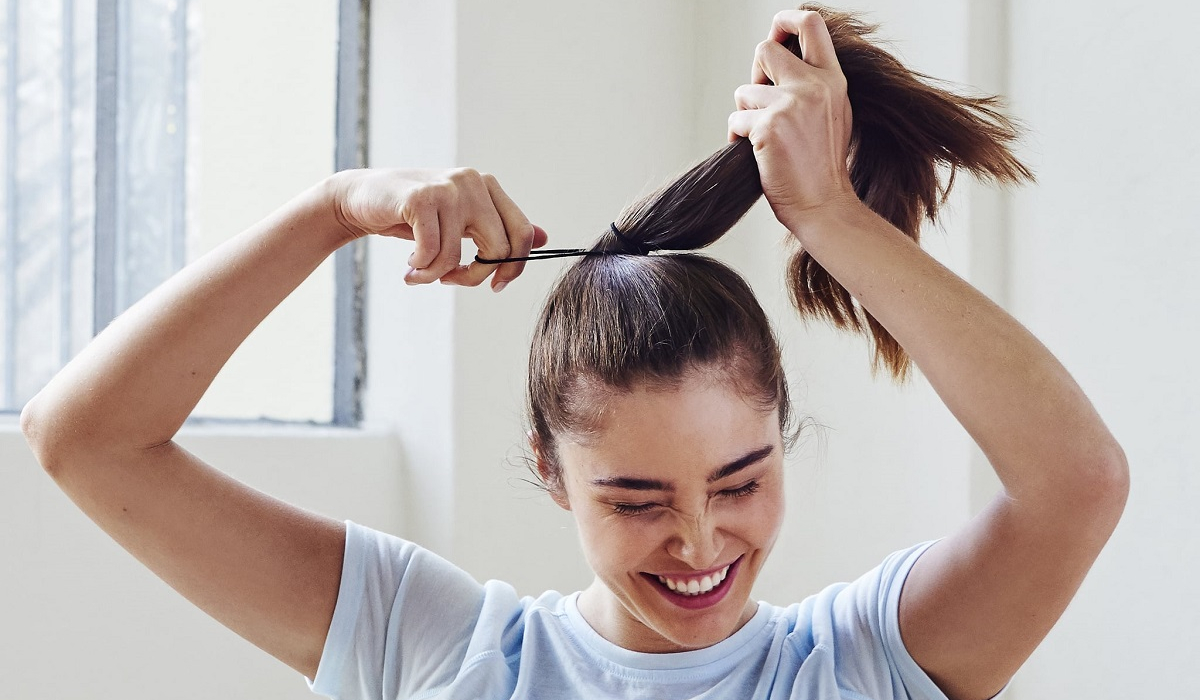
(636, 484)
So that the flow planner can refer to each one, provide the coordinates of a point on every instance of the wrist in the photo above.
(327, 197)
(835, 213)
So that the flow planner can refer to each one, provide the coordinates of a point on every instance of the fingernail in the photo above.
(407, 274)
(410, 257)
(499, 286)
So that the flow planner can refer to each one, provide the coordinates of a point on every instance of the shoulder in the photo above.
(853, 629)
(408, 618)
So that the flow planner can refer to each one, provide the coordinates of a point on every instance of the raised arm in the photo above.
(103, 427)
(976, 605)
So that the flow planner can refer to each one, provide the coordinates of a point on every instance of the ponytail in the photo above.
(906, 126)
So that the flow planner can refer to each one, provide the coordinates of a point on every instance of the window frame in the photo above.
(352, 73)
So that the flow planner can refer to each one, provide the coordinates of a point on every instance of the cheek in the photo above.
(612, 541)
(760, 521)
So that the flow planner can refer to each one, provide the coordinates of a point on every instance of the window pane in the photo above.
(46, 103)
(215, 116)
(151, 138)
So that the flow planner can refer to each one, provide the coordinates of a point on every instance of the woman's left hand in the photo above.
(797, 116)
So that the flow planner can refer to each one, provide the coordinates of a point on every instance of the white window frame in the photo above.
(111, 56)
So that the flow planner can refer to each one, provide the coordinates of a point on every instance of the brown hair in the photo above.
(620, 319)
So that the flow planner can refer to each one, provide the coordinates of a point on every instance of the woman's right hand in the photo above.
(437, 209)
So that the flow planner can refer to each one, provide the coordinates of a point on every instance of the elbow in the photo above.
(1103, 484)
(31, 423)
(32, 428)
(1116, 478)
(36, 427)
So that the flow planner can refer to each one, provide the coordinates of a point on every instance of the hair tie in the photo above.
(630, 248)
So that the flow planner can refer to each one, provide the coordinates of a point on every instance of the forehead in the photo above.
(677, 431)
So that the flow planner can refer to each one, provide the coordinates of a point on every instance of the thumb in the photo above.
(540, 237)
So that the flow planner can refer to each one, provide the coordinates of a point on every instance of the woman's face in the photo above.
(678, 488)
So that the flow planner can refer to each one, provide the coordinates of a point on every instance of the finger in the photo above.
(540, 237)
(754, 96)
(490, 233)
(519, 237)
(464, 275)
(449, 254)
(521, 234)
(816, 46)
(427, 235)
(741, 123)
(474, 274)
(774, 64)
(758, 75)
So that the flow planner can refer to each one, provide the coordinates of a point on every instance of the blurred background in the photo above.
(138, 134)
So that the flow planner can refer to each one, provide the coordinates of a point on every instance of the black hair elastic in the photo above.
(631, 248)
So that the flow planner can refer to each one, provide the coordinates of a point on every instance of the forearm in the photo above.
(138, 380)
(1020, 405)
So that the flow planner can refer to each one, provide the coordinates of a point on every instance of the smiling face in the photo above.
(674, 488)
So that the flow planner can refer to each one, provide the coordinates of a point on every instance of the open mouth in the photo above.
(694, 592)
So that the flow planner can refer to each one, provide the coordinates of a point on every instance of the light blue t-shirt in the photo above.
(408, 624)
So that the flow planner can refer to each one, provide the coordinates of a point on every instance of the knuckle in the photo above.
(464, 176)
(423, 198)
(788, 101)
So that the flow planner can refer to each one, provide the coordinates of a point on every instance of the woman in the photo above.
(659, 417)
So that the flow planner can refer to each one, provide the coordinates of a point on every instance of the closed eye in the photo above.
(633, 508)
(750, 487)
(744, 490)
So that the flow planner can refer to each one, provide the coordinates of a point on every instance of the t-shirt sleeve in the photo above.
(402, 623)
(864, 623)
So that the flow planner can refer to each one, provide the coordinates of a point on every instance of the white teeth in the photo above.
(695, 586)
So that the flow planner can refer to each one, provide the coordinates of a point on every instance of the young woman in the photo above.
(659, 416)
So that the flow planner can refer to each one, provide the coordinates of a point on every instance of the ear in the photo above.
(550, 473)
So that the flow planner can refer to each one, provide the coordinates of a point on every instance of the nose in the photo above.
(698, 541)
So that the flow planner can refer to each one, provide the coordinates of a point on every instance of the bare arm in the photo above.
(976, 605)
(103, 427)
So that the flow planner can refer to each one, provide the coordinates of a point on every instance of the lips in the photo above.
(694, 591)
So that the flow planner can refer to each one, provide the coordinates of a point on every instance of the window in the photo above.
(139, 134)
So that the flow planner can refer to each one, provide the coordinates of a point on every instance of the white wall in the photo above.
(82, 620)
(1104, 271)
(579, 108)
(264, 126)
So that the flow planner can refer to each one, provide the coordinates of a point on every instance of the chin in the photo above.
(698, 619)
